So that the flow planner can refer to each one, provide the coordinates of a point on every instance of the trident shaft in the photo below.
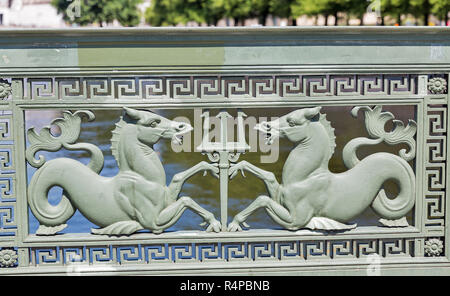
(223, 152)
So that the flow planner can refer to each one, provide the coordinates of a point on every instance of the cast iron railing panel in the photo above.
(345, 130)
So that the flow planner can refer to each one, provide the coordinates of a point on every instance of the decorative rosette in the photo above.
(8, 257)
(437, 85)
(434, 247)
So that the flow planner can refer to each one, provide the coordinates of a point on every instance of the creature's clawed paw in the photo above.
(235, 168)
(236, 226)
(212, 167)
(214, 225)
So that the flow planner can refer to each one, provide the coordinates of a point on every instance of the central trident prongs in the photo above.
(224, 152)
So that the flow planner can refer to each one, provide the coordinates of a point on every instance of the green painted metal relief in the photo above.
(70, 131)
(437, 85)
(310, 195)
(5, 89)
(434, 247)
(8, 257)
(137, 198)
(224, 153)
(359, 117)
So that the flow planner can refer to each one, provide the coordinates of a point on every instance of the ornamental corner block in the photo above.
(437, 85)
(5, 89)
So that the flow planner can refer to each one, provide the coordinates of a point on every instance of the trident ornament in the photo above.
(223, 152)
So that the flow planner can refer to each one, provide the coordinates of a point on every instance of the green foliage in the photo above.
(236, 9)
(85, 12)
(174, 12)
(309, 7)
(440, 8)
(329, 7)
(395, 9)
(261, 10)
(281, 8)
(420, 8)
(357, 8)
(128, 12)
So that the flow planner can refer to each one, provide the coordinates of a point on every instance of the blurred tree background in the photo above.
(101, 12)
(237, 12)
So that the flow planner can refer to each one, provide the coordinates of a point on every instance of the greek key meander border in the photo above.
(227, 87)
(225, 252)
(214, 86)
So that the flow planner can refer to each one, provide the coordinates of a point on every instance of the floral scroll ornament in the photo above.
(437, 85)
(8, 257)
(5, 89)
(434, 247)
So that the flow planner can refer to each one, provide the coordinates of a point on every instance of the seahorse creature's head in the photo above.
(293, 126)
(152, 127)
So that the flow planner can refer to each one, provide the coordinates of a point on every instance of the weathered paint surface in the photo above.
(233, 47)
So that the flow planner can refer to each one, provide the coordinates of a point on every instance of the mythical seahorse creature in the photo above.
(136, 198)
(310, 196)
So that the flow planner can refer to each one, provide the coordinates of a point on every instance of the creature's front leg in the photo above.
(269, 178)
(278, 213)
(178, 180)
(173, 212)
